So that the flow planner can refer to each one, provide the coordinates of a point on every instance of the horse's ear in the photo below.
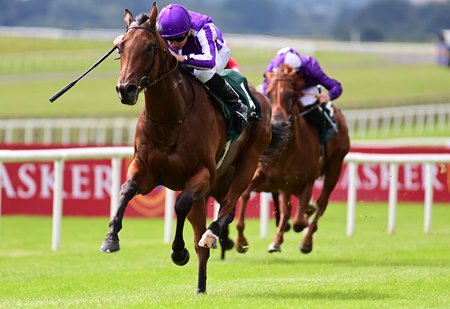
(153, 15)
(127, 18)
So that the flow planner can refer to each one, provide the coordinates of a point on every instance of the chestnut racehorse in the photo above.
(180, 138)
(301, 162)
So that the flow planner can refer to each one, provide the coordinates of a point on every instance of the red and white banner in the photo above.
(27, 188)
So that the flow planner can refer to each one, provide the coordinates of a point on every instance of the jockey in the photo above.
(197, 43)
(314, 78)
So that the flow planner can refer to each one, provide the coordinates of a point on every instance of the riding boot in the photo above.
(315, 117)
(220, 87)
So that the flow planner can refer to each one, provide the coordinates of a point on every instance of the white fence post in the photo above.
(57, 202)
(428, 197)
(168, 214)
(264, 199)
(393, 181)
(351, 197)
(116, 168)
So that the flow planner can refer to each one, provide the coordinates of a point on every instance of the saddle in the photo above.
(322, 117)
(240, 85)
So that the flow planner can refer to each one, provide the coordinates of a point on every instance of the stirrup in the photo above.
(241, 112)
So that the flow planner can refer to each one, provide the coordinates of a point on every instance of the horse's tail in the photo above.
(281, 133)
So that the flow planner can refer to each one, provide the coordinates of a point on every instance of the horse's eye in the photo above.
(148, 49)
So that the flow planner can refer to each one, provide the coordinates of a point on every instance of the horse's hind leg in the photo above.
(244, 172)
(197, 217)
(333, 171)
(111, 241)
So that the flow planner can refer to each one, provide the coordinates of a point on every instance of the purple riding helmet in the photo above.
(174, 20)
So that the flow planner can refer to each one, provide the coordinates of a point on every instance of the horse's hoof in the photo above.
(201, 291)
(208, 240)
(287, 226)
(180, 258)
(274, 248)
(110, 245)
(298, 228)
(306, 248)
(227, 244)
(242, 249)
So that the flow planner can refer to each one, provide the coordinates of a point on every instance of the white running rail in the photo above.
(366, 123)
(59, 156)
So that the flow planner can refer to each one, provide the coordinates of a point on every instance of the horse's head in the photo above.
(284, 89)
(139, 59)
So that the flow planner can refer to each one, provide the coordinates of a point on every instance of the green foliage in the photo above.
(368, 270)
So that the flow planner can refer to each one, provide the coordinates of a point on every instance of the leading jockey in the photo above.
(314, 77)
(196, 42)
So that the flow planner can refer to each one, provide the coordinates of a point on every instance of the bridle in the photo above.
(150, 83)
(278, 80)
(155, 48)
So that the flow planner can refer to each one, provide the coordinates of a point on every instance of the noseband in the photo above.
(155, 48)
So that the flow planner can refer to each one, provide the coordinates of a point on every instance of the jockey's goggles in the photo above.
(178, 38)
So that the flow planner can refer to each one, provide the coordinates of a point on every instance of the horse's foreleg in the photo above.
(285, 213)
(196, 189)
(183, 204)
(241, 241)
(111, 241)
(301, 217)
(197, 217)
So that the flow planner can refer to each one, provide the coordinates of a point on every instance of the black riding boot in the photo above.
(220, 87)
(315, 117)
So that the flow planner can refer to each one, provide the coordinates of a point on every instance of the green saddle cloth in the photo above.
(240, 85)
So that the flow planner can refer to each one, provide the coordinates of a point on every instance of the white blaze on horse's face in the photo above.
(137, 57)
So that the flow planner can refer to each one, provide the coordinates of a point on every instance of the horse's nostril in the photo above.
(131, 89)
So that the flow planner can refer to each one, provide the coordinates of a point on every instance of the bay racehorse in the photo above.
(294, 170)
(180, 138)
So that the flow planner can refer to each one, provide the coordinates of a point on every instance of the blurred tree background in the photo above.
(367, 20)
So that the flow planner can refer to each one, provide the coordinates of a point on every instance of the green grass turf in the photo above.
(368, 270)
(32, 70)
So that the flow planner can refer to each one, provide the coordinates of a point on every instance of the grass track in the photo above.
(369, 270)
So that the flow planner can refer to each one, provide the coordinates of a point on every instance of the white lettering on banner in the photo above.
(376, 176)
(80, 181)
(26, 173)
(372, 178)
(385, 175)
(46, 181)
(102, 181)
(25, 185)
(6, 183)
(411, 177)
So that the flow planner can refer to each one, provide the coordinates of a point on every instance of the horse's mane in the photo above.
(142, 18)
